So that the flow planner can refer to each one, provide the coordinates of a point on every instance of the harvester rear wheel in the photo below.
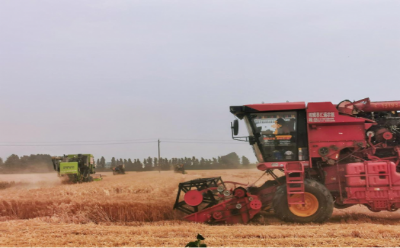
(318, 205)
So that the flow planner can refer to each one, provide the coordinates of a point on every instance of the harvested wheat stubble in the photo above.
(136, 210)
(178, 233)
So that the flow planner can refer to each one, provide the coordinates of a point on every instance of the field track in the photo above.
(136, 210)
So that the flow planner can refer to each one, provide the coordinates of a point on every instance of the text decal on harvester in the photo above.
(321, 117)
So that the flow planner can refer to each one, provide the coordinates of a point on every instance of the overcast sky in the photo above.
(106, 72)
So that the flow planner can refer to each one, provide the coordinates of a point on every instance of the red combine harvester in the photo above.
(331, 156)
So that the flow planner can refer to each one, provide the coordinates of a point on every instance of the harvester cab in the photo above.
(77, 167)
(180, 168)
(119, 169)
(319, 156)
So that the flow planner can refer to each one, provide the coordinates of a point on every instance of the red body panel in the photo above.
(326, 128)
(326, 112)
(374, 183)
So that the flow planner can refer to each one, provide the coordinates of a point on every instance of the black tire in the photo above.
(324, 197)
(342, 206)
(254, 190)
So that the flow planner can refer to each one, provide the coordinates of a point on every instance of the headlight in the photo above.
(238, 206)
(227, 193)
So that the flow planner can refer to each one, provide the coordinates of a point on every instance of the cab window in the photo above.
(277, 135)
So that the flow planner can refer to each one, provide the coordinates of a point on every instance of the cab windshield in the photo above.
(276, 134)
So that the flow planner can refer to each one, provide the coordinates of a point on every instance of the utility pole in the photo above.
(159, 167)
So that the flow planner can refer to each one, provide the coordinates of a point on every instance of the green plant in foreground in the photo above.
(197, 243)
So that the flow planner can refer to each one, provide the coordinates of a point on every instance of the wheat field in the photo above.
(135, 209)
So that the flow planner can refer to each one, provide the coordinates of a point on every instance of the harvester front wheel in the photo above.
(318, 205)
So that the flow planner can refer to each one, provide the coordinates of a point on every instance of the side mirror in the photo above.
(235, 131)
(235, 127)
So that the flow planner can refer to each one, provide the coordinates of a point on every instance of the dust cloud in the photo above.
(29, 181)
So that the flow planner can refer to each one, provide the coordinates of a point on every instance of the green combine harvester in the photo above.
(77, 167)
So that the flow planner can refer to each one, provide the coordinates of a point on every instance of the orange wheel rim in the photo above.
(309, 208)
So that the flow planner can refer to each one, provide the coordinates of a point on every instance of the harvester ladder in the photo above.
(294, 172)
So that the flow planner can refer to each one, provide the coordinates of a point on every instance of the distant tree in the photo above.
(137, 166)
(103, 162)
(113, 162)
(245, 161)
(156, 165)
(1, 162)
(38, 163)
(193, 161)
(140, 165)
(149, 162)
(164, 164)
(129, 165)
(230, 160)
(24, 162)
(188, 162)
(98, 163)
(202, 163)
(12, 162)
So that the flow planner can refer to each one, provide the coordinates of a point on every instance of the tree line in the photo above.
(229, 161)
(41, 163)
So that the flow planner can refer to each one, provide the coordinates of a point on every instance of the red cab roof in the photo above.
(278, 106)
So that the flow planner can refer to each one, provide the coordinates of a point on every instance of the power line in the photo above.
(86, 141)
(115, 142)
(188, 142)
(199, 140)
(76, 141)
(80, 144)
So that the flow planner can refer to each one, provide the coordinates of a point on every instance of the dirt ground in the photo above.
(136, 210)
